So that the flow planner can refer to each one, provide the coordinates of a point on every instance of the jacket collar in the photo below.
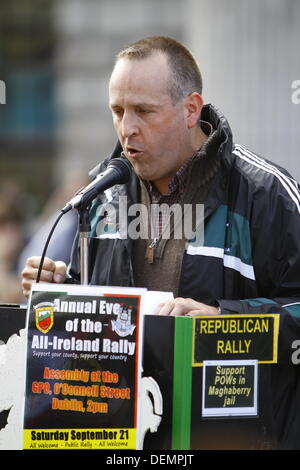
(218, 147)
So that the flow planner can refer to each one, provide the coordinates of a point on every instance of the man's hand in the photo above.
(185, 307)
(53, 271)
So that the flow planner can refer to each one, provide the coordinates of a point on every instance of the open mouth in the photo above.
(132, 152)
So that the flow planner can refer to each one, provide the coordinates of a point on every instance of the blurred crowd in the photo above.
(11, 241)
(22, 236)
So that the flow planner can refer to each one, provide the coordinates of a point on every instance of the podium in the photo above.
(180, 420)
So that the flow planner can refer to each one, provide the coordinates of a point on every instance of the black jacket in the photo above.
(249, 261)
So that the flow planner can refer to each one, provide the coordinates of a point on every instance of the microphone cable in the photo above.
(47, 244)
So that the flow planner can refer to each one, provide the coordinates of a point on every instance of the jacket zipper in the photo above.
(151, 250)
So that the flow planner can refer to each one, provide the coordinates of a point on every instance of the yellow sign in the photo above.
(226, 337)
(79, 439)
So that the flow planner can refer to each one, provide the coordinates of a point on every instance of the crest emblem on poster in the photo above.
(122, 325)
(44, 316)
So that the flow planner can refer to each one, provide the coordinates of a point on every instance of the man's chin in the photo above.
(141, 172)
(144, 172)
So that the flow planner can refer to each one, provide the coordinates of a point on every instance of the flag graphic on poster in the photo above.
(44, 316)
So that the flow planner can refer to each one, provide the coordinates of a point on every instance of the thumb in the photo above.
(60, 272)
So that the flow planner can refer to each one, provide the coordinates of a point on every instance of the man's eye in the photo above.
(143, 110)
(117, 112)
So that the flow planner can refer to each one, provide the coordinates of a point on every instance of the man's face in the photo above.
(152, 130)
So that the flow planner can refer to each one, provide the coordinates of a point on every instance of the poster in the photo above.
(83, 368)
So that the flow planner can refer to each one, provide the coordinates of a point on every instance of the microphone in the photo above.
(118, 171)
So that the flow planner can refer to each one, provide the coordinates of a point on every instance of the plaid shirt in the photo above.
(177, 188)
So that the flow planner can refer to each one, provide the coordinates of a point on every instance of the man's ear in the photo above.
(193, 106)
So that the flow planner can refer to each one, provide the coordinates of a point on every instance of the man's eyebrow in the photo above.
(147, 105)
(137, 105)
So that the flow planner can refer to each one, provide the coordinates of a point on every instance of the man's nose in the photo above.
(129, 125)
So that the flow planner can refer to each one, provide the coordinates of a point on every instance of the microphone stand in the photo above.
(118, 172)
(84, 229)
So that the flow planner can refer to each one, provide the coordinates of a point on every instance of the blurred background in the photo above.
(55, 61)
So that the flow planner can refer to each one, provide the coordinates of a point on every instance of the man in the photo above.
(182, 153)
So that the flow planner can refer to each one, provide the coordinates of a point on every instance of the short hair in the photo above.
(187, 77)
